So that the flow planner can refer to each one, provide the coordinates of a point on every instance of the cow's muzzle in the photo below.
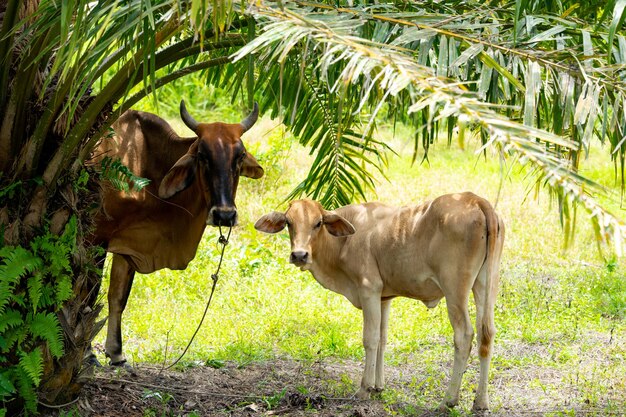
(299, 258)
(222, 216)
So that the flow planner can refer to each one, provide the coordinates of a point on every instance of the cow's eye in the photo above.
(318, 225)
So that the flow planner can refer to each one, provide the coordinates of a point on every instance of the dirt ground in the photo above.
(291, 388)
(277, 388)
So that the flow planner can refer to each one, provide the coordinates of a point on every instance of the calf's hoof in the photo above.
(363, 393)
(446, 405)
(480, 406)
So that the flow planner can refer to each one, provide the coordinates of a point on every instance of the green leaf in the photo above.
(16, 262)
(10, 318)
(63, 289)
(25, 384)
(468, 54)
(114, 171)
(46, 327)
(31, 364)
(6, 386)
(616, 23)
(442, 60)
(488, 60)
(547, 35)
(35, 286)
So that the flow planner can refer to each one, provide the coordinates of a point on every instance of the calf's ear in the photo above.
(251, 168)
(271, 223)
(179, 177)
(337, 225)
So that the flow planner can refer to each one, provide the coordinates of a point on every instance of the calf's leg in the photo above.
(380, 354)
(370, 303)
(121, 281)
(485, 329)
(463, 335)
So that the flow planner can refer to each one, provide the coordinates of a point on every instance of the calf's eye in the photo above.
(319, 224)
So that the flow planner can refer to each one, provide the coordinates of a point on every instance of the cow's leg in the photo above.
(122, 275)
(484, 341)
(380, 354)
(370, 303)
(91, 298)
(463, 335)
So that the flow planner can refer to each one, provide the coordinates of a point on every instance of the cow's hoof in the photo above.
(92, 360)
(377, 390)
(125, 366)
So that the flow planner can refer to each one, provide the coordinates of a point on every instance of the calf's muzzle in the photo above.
(299, 257)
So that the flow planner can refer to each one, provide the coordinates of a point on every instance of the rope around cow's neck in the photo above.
(215, 277)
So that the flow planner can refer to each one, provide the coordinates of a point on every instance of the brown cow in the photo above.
(193, 184)
(372, 253)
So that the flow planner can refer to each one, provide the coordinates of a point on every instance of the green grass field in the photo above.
(561, 314)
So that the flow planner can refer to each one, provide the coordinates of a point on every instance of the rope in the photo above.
(215, 277)
(54, 406)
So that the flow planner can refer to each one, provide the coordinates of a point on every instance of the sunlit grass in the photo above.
(560, 313)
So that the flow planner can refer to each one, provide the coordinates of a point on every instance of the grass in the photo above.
(560, 313)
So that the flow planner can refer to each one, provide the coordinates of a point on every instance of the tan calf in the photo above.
(371, 253)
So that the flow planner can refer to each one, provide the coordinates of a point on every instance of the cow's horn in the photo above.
(189, 121)
(249, 121)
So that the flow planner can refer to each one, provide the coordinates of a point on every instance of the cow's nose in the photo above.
(298, 257)
(224, 216)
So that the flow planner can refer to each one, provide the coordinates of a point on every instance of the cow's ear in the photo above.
(179, 177)
(271, 223)
(251, 167)
(337, 225)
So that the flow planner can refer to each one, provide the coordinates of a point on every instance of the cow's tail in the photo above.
(495, 238)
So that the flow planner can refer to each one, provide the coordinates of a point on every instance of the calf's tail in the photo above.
(495, 239)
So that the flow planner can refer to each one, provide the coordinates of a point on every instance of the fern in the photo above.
(5, 294)
(35, 285)
(26, 388)
(16, 262)
(118, 174)
(46, 327)
(31, 364)
(55, 253)
(64, 289)
(14, 336)
(10, 318)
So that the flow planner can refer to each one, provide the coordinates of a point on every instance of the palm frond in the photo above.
(326, 41)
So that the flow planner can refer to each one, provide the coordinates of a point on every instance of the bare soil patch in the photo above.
(290, 388)
(281, 388)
